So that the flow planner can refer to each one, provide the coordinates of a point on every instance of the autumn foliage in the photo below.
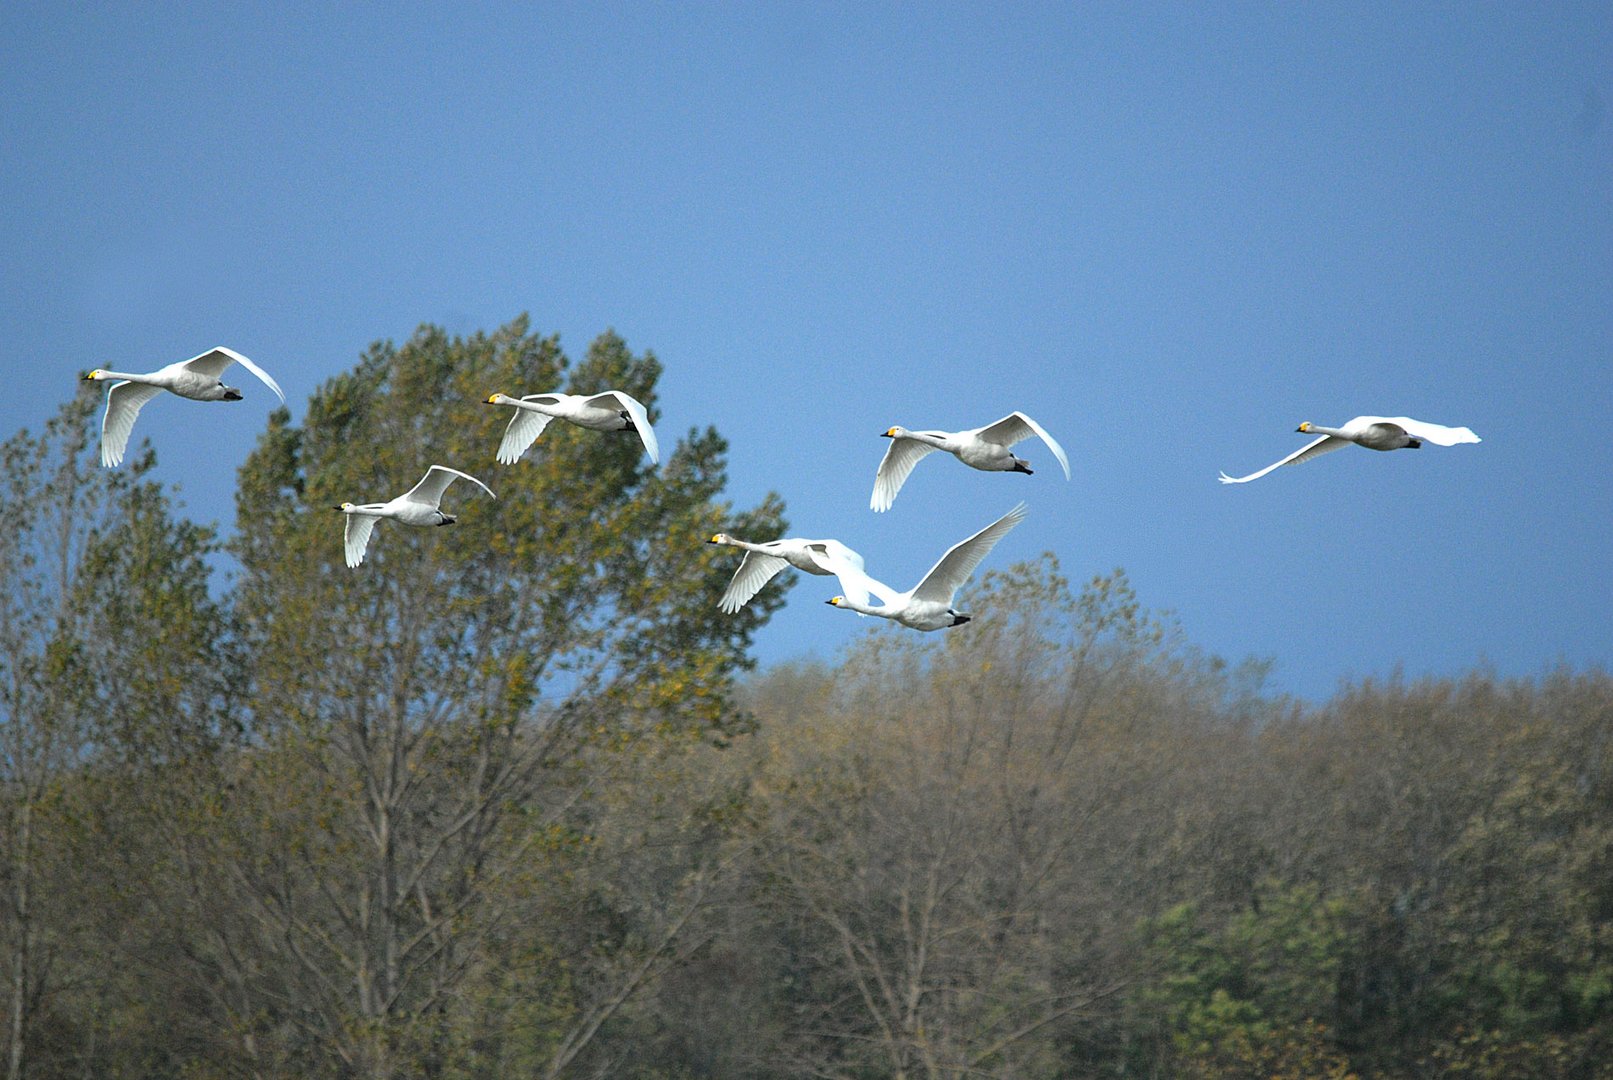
(509, 801)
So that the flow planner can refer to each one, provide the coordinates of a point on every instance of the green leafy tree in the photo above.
(428, 720)
(1252, 995)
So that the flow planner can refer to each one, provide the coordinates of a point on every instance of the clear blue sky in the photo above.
(1170, 233)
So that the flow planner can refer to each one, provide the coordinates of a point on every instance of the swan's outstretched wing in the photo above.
(525, 427)
(636, 412)
(124, 401)
(356, 537)
(1325, 445)
(431, 486)
(214, 361)
(1438, 434)
(847, 566)
(900, 457)
(1017, 427)
(960, 561)
(755, 570)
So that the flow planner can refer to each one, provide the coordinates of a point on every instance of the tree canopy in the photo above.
(509, 798)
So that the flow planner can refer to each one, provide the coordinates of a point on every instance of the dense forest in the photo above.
(512, 800)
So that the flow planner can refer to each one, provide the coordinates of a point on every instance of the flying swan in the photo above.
(1372, 432)
(196, 378)
(764, 561)
(928, 605)
(417, 506)
(611, 410)
(984, 448)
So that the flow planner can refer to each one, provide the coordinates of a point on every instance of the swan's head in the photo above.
(720, 538)
(838, 601)
(91, 376)
(495, 399)
(1306, 426)
(894, 433)
(344, 508)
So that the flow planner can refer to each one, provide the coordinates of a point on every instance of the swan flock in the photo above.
(927, 606)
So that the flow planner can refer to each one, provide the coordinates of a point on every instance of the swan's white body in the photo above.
(1372, 432)
(611, 410)
(417, 506)
(984, 448)
(928, 605)
(764, 561)
(196, 378)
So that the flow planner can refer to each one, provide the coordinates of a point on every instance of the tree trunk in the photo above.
(21, 900)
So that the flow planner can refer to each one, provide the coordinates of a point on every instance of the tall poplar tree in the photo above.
(429, 719)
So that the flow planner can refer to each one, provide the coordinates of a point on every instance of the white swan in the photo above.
(417, 506)
(1372, 432)
(765, 560)
(611, 410)
(196, 378)
(984, 448)
(928, 605)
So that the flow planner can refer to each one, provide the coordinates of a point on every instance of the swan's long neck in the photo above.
(859, 607)
(104, 374)
(853, 578)
(1318, 429)
(533, 406)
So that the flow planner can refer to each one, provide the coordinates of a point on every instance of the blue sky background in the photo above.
(1168, 232)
